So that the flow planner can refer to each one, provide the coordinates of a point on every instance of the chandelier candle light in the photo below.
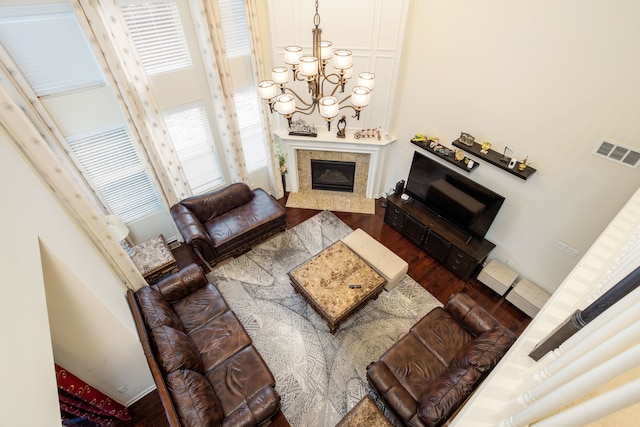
(312, 69)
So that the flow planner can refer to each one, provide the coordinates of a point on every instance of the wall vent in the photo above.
(619, 154)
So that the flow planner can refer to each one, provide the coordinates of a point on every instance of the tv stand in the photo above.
(459, 252)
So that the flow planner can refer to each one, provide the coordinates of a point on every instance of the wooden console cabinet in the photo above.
(445, 243)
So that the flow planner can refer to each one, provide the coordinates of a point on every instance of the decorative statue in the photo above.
(342, 123)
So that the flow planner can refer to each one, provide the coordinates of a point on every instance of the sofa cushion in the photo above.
(414, 365)
(220, 338)
(176, 350)
(208, 206)
(199, 307)
(246, 223)
(239, 378)
(440, 333)
(156, 310)
(484, 351)
(446, 393)
(194, 399)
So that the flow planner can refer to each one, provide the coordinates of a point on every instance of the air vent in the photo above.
(619, 154)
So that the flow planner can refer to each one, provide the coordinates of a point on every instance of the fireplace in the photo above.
(332, 175)
(368, 154)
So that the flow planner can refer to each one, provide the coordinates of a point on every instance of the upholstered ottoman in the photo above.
(497, 276)
(527, 297)
(386, 263)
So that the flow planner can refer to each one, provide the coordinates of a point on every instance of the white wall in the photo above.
(26, 357)
(547, 79)
(47, 260)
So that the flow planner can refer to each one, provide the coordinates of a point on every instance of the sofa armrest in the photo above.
(178, 285)
(446, 393)
(192, 230)
(391, 390)
(470, 314)
(163, 391)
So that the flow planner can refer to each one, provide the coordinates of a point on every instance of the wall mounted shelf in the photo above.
(494, 157)
(449, 158)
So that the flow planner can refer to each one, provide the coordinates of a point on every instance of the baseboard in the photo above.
(140, 396)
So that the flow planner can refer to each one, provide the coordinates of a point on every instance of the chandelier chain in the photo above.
(316, 17)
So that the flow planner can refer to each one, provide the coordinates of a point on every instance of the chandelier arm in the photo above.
(345, 99)
(293, 92)
(356, 110)
(326, 77)
(306, 111)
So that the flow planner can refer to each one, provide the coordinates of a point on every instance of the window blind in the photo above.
(112, 166)
(250, 124)
(190, 132)
(158, 35)
(49, 47)
(234, 27)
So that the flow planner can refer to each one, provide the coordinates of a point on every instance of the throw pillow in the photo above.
(176, 350)
(194, 399)
(155, 309)
(485, 350)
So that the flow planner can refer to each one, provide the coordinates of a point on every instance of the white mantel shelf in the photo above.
(327, 141)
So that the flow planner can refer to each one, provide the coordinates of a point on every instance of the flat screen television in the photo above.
(457, 199)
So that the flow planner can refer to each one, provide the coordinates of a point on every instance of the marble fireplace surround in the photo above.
(369, 154)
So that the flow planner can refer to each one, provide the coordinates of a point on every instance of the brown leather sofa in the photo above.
(228, 221)
(429, 372)
(203, 362)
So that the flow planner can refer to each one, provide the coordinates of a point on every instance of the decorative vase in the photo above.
(284, 183)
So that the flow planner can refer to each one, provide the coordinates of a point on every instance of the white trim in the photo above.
(326, 142)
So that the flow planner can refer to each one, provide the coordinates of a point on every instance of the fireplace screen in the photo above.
(332, 175)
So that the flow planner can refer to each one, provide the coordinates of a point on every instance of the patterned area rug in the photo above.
(319, 376)
(331, 201)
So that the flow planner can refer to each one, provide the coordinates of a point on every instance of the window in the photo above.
(247, 102)
(194, 145)
(113, 167)
(49, 47)
(157, 33)
(234, 27)
(253, 143)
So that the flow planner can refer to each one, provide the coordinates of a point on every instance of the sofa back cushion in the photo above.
(178, 285)
(485, 351)
(176, 350)
(210, 205)
(470, 314)
(156, 310)
(441, 334)
(194, 399)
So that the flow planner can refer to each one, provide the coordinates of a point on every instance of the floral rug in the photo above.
(319, 376)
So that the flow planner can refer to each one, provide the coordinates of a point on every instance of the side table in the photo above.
(364, 414)
(154, 259)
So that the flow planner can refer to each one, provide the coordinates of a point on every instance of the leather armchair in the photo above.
(429, 372)
(228, 221)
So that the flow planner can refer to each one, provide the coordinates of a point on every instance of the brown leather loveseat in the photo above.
(203, 362)
(429, 372)
(228, 221)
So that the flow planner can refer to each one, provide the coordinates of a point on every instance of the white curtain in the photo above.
(104, 25)
(39, 147)
(258, 56)
(211, 41)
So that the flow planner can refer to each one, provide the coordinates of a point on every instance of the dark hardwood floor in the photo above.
(440, 282)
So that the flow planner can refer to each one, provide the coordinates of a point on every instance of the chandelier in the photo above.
(313, 69)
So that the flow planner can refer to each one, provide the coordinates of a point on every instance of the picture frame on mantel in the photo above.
(301, 128)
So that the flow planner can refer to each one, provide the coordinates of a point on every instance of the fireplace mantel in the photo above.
(327, 141)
